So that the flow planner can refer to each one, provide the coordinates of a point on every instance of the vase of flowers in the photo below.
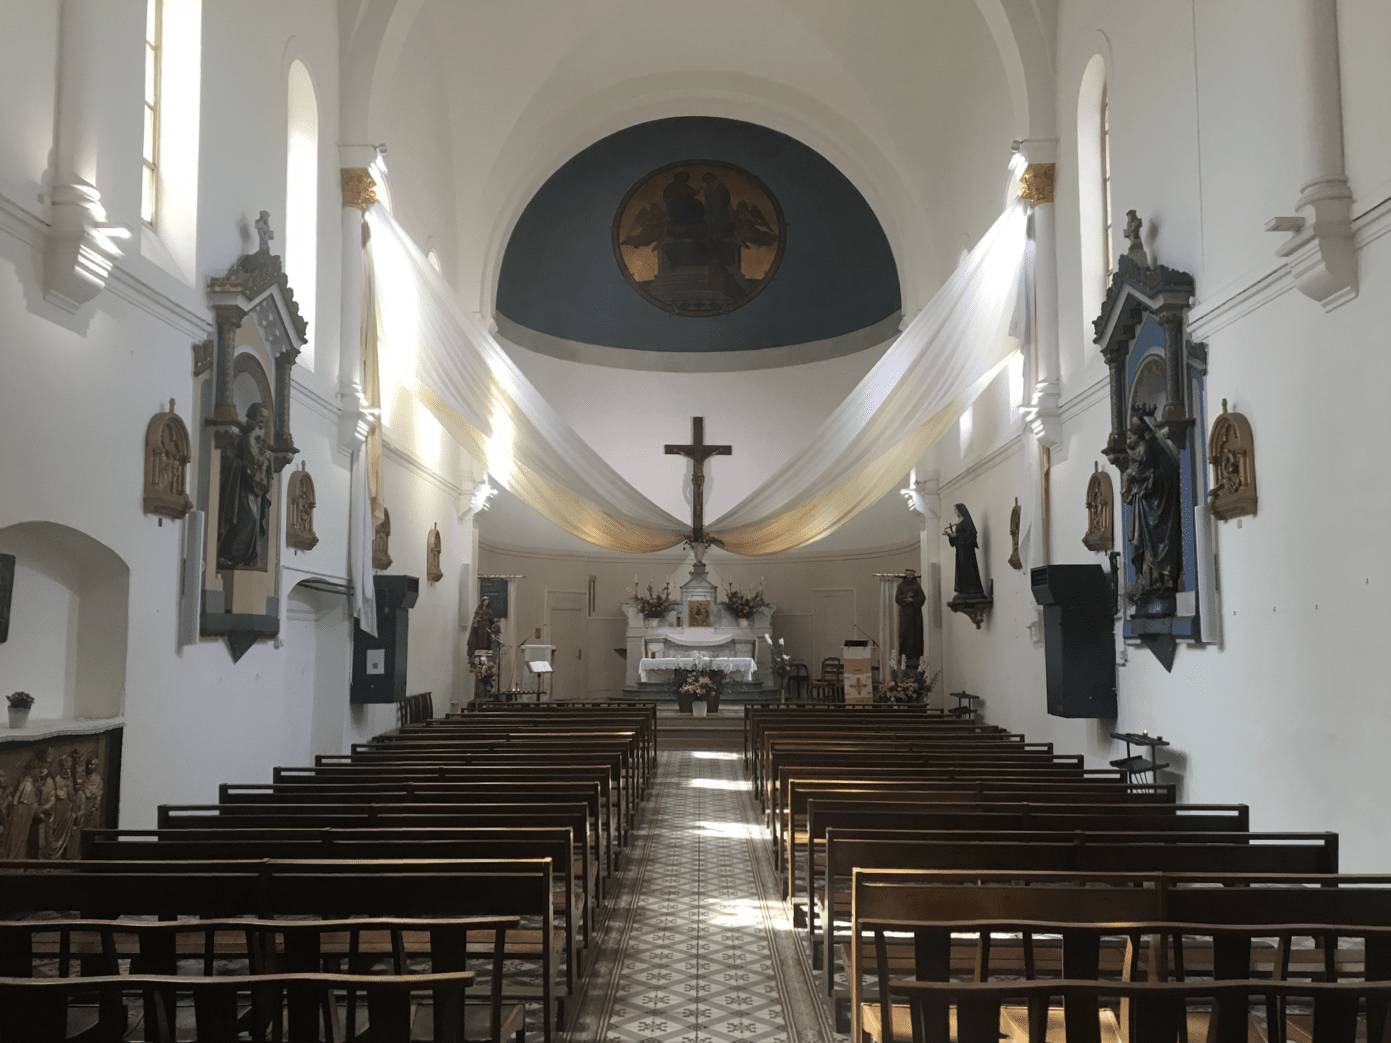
(20, 705)
(909, 686)
(655, 603)
(744, 606)
(484, 676)
(698, 691)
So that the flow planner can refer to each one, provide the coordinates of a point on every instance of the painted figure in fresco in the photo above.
(1150, 485)
(910, 600)
(244, 495)
(962, 536)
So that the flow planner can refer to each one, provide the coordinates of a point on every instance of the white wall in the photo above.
(1287, 713)
(790, 582)
(76, 393)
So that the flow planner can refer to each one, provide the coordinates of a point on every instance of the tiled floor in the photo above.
(697, 947)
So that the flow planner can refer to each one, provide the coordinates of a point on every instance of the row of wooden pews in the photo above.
(957, 882)
(441, 882)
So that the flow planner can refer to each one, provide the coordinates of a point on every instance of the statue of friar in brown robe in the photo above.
(910, 600)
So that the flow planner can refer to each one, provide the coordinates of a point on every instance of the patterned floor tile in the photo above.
(697, 947)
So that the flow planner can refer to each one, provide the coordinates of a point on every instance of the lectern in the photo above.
(379, 663)
(1078, 639)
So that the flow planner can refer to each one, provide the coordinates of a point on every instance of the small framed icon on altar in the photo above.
(698, 612)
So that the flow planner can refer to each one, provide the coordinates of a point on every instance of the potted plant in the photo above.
(698, 691)
(744, 606)
(655, 603)
(20, 705)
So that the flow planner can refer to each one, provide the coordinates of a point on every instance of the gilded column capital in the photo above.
(1036, 183)
(359, 190)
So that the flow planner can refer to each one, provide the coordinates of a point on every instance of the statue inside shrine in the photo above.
(244, 494)
(1150, 485)
(910, 600)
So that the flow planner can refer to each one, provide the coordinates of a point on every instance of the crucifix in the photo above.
(698, 452)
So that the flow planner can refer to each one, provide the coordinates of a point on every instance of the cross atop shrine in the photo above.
(698, 452)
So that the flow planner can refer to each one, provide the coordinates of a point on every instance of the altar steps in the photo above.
(721, 732)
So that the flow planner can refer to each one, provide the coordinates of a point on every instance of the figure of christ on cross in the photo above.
(698, 452)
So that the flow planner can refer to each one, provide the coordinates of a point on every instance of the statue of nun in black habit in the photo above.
(962, 535)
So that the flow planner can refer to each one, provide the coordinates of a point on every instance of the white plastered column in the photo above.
(83, 247)
(1319, 254)
(359, 192)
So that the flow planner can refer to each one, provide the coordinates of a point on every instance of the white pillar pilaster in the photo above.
(1320, 253)
(359, 193)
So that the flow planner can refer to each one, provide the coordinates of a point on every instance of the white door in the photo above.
(565, 625)
(835, 623)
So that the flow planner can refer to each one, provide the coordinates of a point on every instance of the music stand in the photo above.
(539, 669)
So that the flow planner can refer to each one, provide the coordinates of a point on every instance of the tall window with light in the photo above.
(154, 43)
(302, 197)
(1108, 242)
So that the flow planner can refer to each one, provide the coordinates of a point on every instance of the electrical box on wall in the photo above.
(379, 663)
(1079, 606)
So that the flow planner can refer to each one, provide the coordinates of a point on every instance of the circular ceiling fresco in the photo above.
(699, 237)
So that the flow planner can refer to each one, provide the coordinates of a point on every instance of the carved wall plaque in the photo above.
(433, 550)
(299, 510)
(381, 542)
(167, 453)
(1101, 512)
(1231, 450)
(51, 789)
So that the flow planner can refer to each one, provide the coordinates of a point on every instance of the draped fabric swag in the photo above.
(910, 398)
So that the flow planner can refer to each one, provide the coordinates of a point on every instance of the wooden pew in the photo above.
(304, 889)
(556, 844)
(1085, 851)
(37, 948)
(1160, 1010)
(36, 1010)
(1230, 899)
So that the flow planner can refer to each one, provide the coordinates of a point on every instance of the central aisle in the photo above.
(698, 947)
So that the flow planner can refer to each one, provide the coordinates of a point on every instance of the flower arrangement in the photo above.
(655, 603)
(782, 662)
(700, 685)
(20, 700)
(909, 687)
(744, 605)
(484, 672)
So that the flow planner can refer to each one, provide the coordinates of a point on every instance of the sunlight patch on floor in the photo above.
(730, 830)
(748, 912)
(739, 785)
(714, 755)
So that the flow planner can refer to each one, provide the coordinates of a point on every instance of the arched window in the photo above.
(302, 198)
(1094, 184)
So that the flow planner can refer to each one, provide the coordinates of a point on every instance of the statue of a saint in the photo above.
(483, 629)
(962, 535)
(910, 600)
(1150, 485)
(244, 494)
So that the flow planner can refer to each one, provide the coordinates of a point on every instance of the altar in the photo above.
(738, 648)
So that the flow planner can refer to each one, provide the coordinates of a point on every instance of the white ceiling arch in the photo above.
(569, 107)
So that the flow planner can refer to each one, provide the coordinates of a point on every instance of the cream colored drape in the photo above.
(910, 398)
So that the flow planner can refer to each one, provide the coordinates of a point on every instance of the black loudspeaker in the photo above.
(1078, 639)
(379, 663)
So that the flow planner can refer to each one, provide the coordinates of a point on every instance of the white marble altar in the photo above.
(741, 668)
(673, 638)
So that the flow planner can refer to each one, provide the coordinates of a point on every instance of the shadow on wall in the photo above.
(69, 622)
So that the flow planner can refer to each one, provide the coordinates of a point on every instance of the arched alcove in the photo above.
(69, 622)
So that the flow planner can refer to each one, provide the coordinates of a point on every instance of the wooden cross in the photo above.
(698, 452)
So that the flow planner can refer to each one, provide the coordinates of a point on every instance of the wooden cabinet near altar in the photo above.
(54, 783)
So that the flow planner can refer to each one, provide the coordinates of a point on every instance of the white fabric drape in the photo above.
(926, 379)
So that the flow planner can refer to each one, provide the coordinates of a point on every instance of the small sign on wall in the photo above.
(376, 661)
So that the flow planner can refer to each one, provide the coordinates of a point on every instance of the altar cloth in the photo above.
(700, 637)
(741, 666)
